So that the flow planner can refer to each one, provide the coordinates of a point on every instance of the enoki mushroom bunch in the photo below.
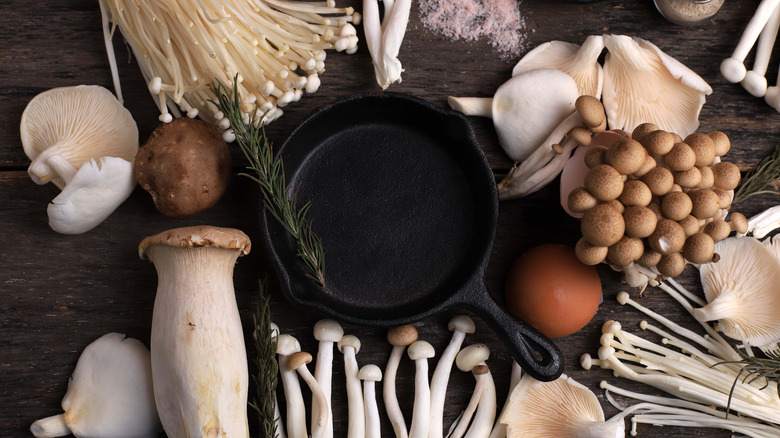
(273, 49)
(654, 202)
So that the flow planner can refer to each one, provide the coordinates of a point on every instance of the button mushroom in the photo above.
(109, 394)
(349, 345)
(327, 332)
(420, 352)
(199, 364)
(370, 374)
(399, 338)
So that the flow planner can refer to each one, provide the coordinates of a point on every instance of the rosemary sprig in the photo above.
(755, 369)
(756, 181)
(265, 380)
(269, 175)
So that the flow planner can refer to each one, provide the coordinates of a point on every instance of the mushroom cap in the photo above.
(741, 290)
(197, 237)
(461, 323)
(80, 123)
(545, 97)
(287, 345)
(349, 341)
(370, 372)
(668, 237)
(559, 409)
(402, 336)
(639, 221)
(328, 330)
(110, 392)
(420, 350)
(642, 83)
(602, 225)
(471, 356)
(297, 360)
(98, 188)
(590, 254)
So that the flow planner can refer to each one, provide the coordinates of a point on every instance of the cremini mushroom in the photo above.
(349, 346)
(399, 337)
(741, 291)
(327, 332)
(579, 62)
(641, 80)
(199, 364)
(79, 124)
(286, 346)
(369, 375)
(420, 352)
(562, 408)
(109, 394)
(460, 326)
(482, 405)
(297, 362)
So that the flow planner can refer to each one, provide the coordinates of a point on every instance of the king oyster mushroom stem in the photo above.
(420, 352)
(399, 337)
(755, 79)
(460, 326)
(109, 393)
(199, 364)
(297, 362)
(733, 68)
(349, 346)
(370, 374)
(327, 332)
(286, 346)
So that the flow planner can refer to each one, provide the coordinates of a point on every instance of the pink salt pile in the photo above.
(499, 21)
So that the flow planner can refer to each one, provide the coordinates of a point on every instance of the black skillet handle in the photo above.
(536, 354)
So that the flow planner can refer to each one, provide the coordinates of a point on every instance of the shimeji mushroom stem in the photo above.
(370, 374)
(399, 338)
(50, 427)
(420, 352)
(349, 346)
(755, 79)
(465, 417)
(319, 425)
(499, 429)
(327, 332)
(486, 411)
(530, 176)
(472, 106)
(733, 68)
(296, 409)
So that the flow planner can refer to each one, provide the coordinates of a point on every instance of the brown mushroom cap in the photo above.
(185, 165)
(703, 147)
(197, 237)
(626, 156)
(595, 156)
(649, 258)
(581, 135)
(635, 192)
(642, 130)
(718, 229)
(681, 157)
(671, 265)
(602, 225)
(591, 110)
(604, 182)
(659, 180)
(706, 203)
(668, 237)
(721, 142)
(726, 175)
(297, 360)
(690, 225)
(590, 254)
(625, 251)
(658, 142)
(640, 221)
(699, 248)
(739, 223)
(724, 197)
(617, 205)
(707, 177)
(688, 178)
(402, 336)
(648, 165)
(676, 206)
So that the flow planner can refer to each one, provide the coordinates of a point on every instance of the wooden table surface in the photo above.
(58, 293)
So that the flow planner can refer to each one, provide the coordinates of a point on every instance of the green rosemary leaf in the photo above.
(755, 182)
(265, 379)
(269, 175)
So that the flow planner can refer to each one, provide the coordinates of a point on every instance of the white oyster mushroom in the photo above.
(109, 394)
(643, 84)
(579, 62)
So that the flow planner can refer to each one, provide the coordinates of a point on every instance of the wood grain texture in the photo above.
(58, 293)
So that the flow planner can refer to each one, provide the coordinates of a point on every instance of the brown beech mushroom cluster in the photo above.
(654, 201)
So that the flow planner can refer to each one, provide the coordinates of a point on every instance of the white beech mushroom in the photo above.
(499, 429)
(277, 411)
(741, 291)
(297, 362)
(482, 405)
(579, 62)
(420, 352)
(286, 346)
(755, 79)
(349, 345)
(327, 332)
(399, 337)
(370, 374)
(199, 364)
(562, 408)
(733, 68)
(460, 325)
(641, 82)
(109, 393)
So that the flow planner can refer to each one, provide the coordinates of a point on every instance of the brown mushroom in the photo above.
(659, 180)
(595, 156)
(649, 258)
(642, 130)
(726, 175)
(604, 182)
(580, 200)
(699, 248)
(676, 206)
(707, 177)
(688, 178)
(648, 165)
(703, 147)
(639, 221)
(590, 254)
(658, 142)
(671, 265)
(706, 203)
(690, 225)
(635, 192)
(626, 250)
(718, 229)
(681, 157)
(721, 142)
(185, 165)
(626, 156)
(739, 223)
(602, 225)
(668, 237)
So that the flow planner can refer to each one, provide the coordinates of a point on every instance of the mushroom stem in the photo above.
(296, 409)
(525, 179)
(420, 352)
(733, 68)
(318, 426)
(499, 429)
(472, 106)
(327, 332)
(50, 427)
(349, 345)
(370, 374)
(460, 326)
(755, 79)
(471, 407)
(399, 338)
(486, 411)
(721, 307)
(49, 164)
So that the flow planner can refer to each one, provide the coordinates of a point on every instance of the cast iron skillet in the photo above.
(406, 206)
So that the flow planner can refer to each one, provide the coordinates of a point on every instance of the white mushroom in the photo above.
(741, 291)
(581, 63)
(544, 97)
(297, 362)
(562, 408)
(483, 400)
(733, 68)
(109, 394)
(755, 79)
(420, 352)
(277, 411)
(286, 346)
(91, 194)
(79, 124)
(327, 332)
(349, 345)
(642, 83)
(199, 364)
(399, 338)
(370, 374)
(460, 325)
(499, 429)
